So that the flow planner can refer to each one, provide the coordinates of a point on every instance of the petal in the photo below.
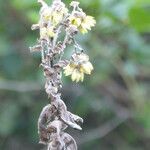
(83, 57)
(56, 18)
(82, 77)
(90, 65)
(50, 32)
(74, 75)
(86, 26)
(68, 70)
(47, 14)
(83, 30)
(87, 67)
(43, 33)
(88, 22)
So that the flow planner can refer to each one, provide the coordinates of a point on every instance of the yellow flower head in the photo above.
(56, 17)
(47, 32)
(54, 14)
(75, 21)
(50, 31)
(46, 14)
(77, 75)
(43, 33)
(79, 66)
(87, 23)
(83, 22)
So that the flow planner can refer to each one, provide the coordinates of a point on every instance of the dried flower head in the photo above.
(78, 66)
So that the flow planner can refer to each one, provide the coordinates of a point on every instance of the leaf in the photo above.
(33, 16)
(142, 2)
(24, 4)
(140, 19)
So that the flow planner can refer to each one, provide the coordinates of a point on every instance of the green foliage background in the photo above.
(114, 100)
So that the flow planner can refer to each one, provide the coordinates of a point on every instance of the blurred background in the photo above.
(114, 100)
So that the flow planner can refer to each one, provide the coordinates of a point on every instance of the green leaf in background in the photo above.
(140, 19)
(142, 2)
(23, 4)
(33, 16)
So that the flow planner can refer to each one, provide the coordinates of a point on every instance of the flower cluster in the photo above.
(78, 66)
(78, 18)
(82, 21)
(54, 14)
(57, 16)
(50, 18)
(57, 13)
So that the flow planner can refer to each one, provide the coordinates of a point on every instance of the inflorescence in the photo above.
(55, 22)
